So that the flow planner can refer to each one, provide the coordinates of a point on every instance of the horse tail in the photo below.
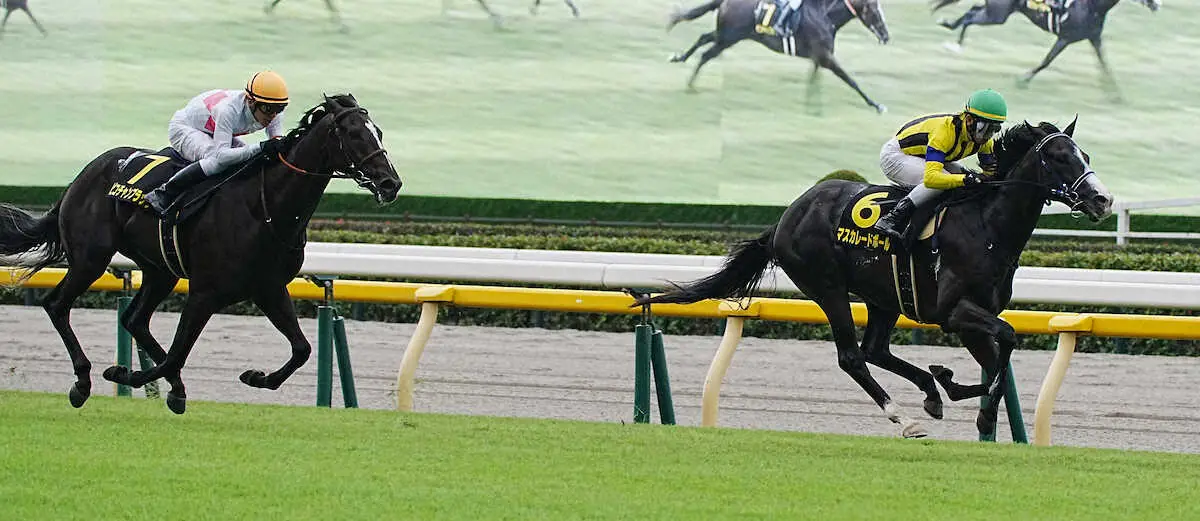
(34, 240)
(743, 269)
(694, 13)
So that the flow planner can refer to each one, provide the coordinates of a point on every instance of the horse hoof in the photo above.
(933, 408)
(914, 430)
(79, 395)
(117, 374)
(254, 378)
(881, 109)
(941, 374)
(177, 403)
(953, 47)
(675, 58)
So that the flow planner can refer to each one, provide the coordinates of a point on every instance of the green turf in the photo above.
(132, 459)
(557, 108)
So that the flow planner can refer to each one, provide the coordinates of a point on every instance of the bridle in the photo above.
(1068, 195)
(353, 167)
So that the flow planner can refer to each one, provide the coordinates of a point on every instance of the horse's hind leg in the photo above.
(703, 40)
(156, 285)
(57, 304)
(876, 344)
(4, 23)
(1059, 46)
(571, 5)
(276, 304)
(712, 52)
(496, 20)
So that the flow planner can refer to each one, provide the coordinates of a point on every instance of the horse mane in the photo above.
(330, 105)
(1014, 142)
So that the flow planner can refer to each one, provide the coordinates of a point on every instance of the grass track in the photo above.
(589, 109)
(131, 459)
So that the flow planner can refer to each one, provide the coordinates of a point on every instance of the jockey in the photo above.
(785, 20)
(924, 154)
(205, 132)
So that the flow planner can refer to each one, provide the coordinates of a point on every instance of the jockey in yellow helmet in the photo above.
(924, 154)
(206, 132)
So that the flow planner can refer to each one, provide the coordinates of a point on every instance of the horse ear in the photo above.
(1070, 130)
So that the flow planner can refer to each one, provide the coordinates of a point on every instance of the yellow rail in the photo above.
(1068, 326)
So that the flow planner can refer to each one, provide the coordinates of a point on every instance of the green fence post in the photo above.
(662, 383)
(324, 356)
(151, 388)
(124, 344)
(349, 397)
(641, 375)
(1012, 403)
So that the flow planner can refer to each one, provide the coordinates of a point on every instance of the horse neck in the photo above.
(1013, 213)
(291, 197)
(839, 13)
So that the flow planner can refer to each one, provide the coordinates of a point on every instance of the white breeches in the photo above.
(909, 171)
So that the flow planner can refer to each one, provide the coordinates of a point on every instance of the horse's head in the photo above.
(356, 145)
(1058, 164)
(870, 13)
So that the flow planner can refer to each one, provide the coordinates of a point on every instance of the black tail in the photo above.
(34, 240)
(743, 269)
(694, 13)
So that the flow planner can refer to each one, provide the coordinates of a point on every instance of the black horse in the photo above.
(22, 5)
(814, 39)
(246, 243)
(1081, 20)
(962, 284)
(498, 21)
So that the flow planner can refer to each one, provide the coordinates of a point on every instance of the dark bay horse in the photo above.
(969, 281)
(814, 39)
(22, 5)
(1084, 20)
(245, 244)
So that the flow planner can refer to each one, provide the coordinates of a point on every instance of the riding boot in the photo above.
(161, 198)
(894, 222)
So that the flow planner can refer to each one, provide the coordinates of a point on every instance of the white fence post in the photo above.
(1122, 226)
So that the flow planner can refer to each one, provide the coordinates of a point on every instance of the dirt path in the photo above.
(1115, 401)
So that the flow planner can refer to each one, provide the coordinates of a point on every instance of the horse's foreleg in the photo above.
(496, 20)
(829, 62)
(703, 40)
(534, 8)
(1057, 49)
(4, 23)
(876, 342)
(276, 304)
(712, 52)
(270, 6)
(571, 5)
(978, 327)
(198, 309)
(35, 22)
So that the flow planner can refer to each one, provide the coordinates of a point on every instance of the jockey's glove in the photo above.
(272, 148)
(972, 178)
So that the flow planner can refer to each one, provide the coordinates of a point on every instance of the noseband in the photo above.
(1068, 195)
(353, 167)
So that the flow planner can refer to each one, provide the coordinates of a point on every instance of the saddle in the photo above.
(1053, 13)
(913, 260)
(777, 18)
(142, 172)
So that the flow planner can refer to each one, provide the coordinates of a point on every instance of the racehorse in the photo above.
(814, 39)
(23, 5)
(498, 21)
(1082, 20)
(245, 243)
(966, 278)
